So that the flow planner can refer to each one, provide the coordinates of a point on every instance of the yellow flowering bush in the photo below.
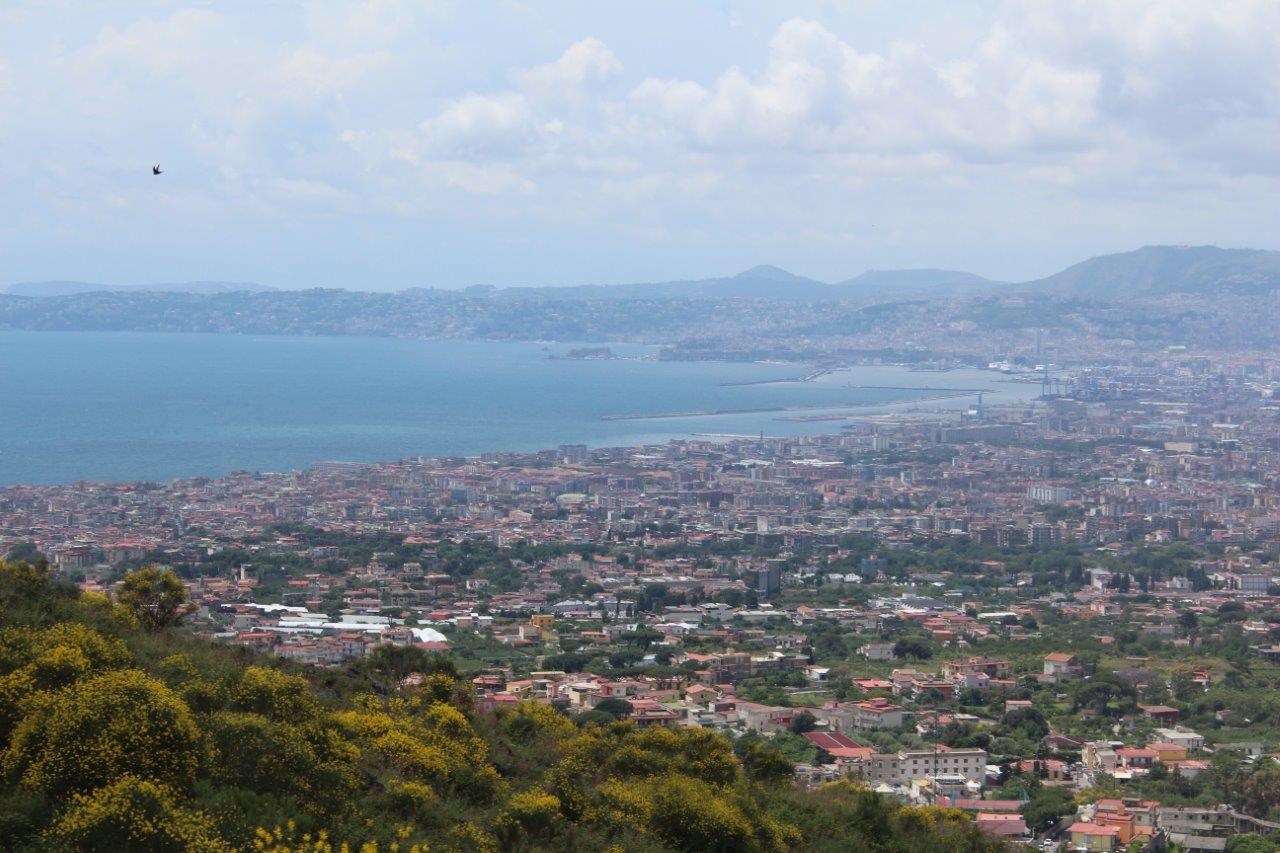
(469, 837)
(683, 786)
(442, 687)
(529, 721)
(22, 648)
(103, 652)
(446, 722)
(275, 695)
(93, 732)
(928, 818)
(15, 689)
(620, 750)
(178, 669)
(364, 725)
(624, 804)
(253, 752)
(59, 666)
(96, 602)
(410, 755)
(533, 812)
(409, 798)
(688, 814)
(203, 696)
(288, 839)
(133, 813)
(20, 581)
(438, 747)
(49, 659)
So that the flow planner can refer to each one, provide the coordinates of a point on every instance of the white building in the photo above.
(1181, 736)
(877, 713)
(911, 765)
(877, 651)
(1050, 494)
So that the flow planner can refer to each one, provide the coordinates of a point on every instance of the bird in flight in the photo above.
(155, 170)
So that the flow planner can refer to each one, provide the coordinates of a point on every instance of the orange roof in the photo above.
(1093, 829)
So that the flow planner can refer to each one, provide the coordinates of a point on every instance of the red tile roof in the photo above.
(831, 740)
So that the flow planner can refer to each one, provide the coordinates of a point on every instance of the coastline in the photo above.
(130, 407)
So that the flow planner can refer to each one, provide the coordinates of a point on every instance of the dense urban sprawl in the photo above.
(1060, 616)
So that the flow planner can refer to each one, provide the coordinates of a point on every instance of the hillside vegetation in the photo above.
(119, 732)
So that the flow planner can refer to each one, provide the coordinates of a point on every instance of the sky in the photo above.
(396, 143)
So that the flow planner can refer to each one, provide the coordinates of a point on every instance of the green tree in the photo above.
(1106, 695)
(567, 662)
(617, 708)
(1252, 843)
(912, 647)
(155, 596)
(599, 718)
(27, 552)
(762, 761)
(803, 722)
(1260, 792)
(1047, 807)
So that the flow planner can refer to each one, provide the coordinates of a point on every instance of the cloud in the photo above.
(1041, 88)
(581, 62)
(1202, 79)
(480, 126)
(481, 142)
(1047, 96)
(754, 121)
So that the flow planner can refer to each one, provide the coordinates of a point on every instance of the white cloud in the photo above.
(817, 93)
(413, 107)
(583, 61)
(478, 142)
(1025, 100)
(480, 125)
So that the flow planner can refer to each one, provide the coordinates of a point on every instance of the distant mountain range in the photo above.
(1145, 272)
(1149, 271)
(1162, 270)
(920, 283)
(763, 282)
(72, 288)
(767, 282)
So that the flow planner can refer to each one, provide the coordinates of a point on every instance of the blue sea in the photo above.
(128, 406)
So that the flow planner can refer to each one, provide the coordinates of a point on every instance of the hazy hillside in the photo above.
(662, 312)
(762, 282)
(71, 288)
(890, 284)
(1149, 271)
(770, 282)
(1160, 270)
